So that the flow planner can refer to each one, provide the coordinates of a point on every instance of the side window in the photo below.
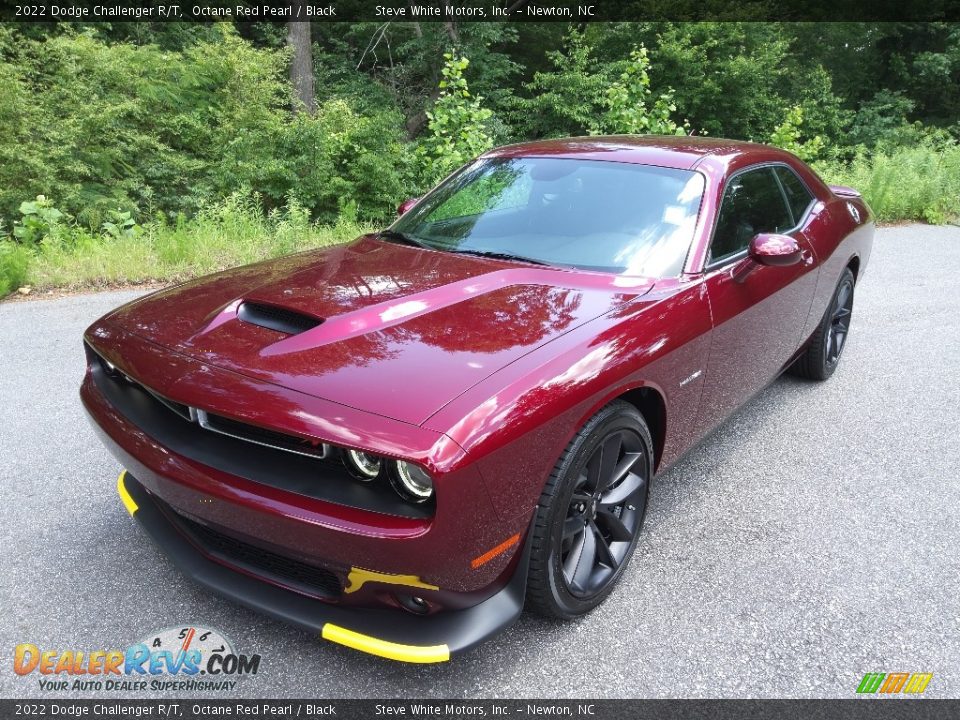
(798, 197)
(752, 204)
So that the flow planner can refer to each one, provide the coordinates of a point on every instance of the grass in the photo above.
(921, 182)
(14, 263)
(233, 233)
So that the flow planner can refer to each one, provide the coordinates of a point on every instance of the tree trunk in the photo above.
(301, 68)
(451, 26)
(417, 30)
(418, 121)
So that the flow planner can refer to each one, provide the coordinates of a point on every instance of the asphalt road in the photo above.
(813, 538)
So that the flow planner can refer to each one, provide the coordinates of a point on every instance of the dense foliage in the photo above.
(117, 133)
(457, 123)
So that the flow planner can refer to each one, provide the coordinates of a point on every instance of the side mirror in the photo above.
(775, 250)
(405, 206)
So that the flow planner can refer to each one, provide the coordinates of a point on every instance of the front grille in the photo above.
(291, 463)
(225, 426)
(290, 572)
(261, 436)
(280, 319)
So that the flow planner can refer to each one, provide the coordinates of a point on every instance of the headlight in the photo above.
(363, 465)
(412, 482)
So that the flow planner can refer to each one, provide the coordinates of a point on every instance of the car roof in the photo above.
(680, 152)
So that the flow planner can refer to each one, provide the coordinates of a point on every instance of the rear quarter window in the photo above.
(798, 197)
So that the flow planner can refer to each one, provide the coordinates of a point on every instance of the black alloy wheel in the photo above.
(605, 512)
(839, 325)
(590, 513)
(822, 354)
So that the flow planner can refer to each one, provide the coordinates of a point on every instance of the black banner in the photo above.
(568, 11)
(858, 709)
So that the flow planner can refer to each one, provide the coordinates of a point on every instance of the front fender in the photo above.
(516, 424)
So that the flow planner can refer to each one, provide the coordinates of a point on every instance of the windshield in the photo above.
(606, 216)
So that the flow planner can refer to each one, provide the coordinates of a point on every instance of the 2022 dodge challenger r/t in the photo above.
(399, 442)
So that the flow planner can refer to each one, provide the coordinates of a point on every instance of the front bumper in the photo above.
(279, 505)
(393, 634)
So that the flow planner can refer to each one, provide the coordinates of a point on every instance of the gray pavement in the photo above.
(813, 538)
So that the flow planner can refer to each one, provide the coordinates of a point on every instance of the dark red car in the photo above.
(398, 442)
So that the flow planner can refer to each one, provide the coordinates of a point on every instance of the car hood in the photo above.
(399, 331)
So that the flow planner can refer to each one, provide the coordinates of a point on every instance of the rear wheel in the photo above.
(822, 355)
(590, 513)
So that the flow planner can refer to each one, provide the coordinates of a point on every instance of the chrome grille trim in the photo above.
(202, 418)
(169, 404)
(208, 421)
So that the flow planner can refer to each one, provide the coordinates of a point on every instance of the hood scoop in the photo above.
(288, 322)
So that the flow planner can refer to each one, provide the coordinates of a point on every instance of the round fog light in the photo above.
(413, 482)
(364, 466)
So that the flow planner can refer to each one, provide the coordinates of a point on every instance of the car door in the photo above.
(758, 311)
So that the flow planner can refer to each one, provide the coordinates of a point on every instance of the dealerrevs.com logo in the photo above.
(182, 659)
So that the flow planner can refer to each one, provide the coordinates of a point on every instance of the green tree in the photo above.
(632, 107)
(882, 119)
(566, 99)
(101, 126)
(726, 77)
(457, 129)
(788, 136)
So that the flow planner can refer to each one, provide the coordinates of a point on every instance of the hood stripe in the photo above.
(387, 314)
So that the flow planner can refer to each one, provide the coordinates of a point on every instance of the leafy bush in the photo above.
(39, 220)
(580, 95)
(567, 98)
(103, 126)
(882, 119)
(120, 225)
(727, 77)
(25, 170)
(630, 103)
(14, 261)
(906, 183)
(787, 136)
(339, 156)
(457, 131)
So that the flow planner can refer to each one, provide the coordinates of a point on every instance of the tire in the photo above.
(823, 352)
(586, 513)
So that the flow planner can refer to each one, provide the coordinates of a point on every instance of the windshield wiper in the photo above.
(401, 237)
(500, 256)
(397, 236)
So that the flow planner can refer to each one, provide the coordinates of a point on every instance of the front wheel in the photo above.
(590, 513)
(822, 355)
